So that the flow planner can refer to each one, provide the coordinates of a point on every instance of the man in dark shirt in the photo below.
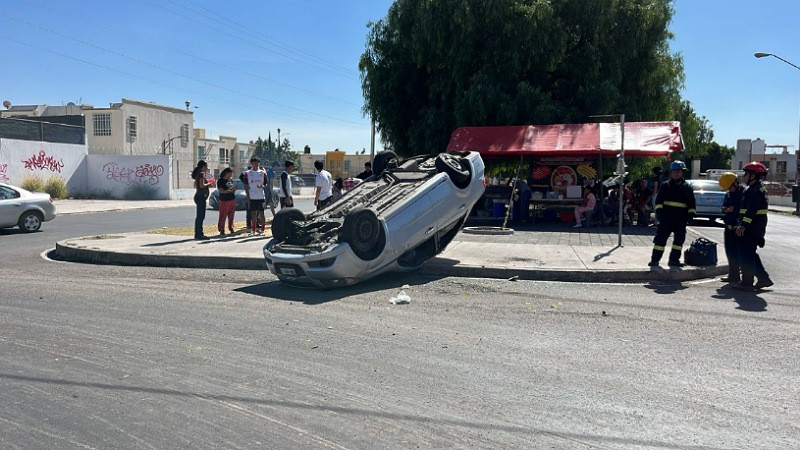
(367, 171)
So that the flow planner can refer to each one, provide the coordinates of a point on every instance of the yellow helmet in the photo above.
(726, 180)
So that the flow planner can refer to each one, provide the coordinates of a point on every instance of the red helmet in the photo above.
(755, 167)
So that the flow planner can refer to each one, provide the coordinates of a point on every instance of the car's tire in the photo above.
(382, 161)
(455, 167)
(282, 224)
(363, 231)
(30, 221)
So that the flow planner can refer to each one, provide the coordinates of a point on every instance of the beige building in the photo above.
(781, 163)
(222, 152)
(131, 127)
(338, 163)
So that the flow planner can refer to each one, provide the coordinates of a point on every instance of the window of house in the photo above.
(780, 167)
(102, 124)
(131, 128)
(740, 165)
(242, 156)
(223, 156)
(184, 135)
(201, 152)
(346, 166)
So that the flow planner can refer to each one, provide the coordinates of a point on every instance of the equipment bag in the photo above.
(702, 252)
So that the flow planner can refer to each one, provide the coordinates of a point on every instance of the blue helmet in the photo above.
(677, 165)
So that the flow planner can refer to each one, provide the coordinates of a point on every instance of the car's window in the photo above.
(238, 184)
(705, 185)
(7, 193)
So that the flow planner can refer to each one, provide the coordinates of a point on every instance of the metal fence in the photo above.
(37, 130)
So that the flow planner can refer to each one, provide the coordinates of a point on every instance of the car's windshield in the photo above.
(705, 185)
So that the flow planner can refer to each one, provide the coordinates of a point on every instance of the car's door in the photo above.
(10, 206)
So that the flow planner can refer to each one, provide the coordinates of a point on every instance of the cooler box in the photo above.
(499, 209)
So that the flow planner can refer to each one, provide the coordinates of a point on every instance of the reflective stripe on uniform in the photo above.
(658, 247)
(659, 206)
(747, 220)
(730, 227)
(676, 204)
(743, 210)
(692, 210)
(762, 211)
(676, 247)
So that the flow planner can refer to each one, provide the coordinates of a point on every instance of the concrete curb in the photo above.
(687, 273)
(70, 250)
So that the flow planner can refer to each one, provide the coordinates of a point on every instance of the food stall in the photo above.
(557, 160)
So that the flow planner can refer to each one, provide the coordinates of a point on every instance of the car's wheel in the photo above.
(454, 168)
(363, 231)
(30, 221)
(283, 225)
(382, 161)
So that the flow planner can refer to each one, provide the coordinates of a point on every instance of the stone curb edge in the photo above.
(86, 254)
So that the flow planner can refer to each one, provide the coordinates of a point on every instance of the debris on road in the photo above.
(401, 299)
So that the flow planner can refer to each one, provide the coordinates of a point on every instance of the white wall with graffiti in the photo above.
(20, 159)
(129, 177)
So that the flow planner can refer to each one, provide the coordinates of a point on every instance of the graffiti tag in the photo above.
(145, 173)
(3, 174)
(43, 162)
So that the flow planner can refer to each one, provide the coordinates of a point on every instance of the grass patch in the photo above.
(240, 228)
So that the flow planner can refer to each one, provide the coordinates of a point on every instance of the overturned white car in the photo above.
(395, 220)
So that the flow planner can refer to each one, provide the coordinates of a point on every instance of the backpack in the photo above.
(702, 252)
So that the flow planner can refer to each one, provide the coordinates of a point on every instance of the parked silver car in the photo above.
(23, 209)
(395, 220)
(708, 195)
(240, 195)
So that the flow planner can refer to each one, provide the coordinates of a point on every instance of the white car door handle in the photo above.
(428, 231)
(461, 206)
(16, 204)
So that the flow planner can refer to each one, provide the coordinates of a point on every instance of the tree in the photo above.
(696, 131)
(268, 151)
(717, 157)
(432, 66)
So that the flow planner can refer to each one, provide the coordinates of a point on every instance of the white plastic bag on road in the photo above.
(400, 299)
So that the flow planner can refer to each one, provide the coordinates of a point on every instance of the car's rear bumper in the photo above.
(334, 267)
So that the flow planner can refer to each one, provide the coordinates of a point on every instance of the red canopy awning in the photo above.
(641, 139)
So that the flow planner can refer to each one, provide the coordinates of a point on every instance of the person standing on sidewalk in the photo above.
(675, 208)
(200, 197)
(655, 183)
(323, 183)
(285, 193)
(272, 172)
(227, 200)
(247, 198)
(255, 179)
(731, 205)
(752, 227)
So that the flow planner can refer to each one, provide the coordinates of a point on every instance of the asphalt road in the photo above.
(136, 357)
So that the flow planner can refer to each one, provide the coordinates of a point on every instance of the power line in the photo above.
(256, 44)
(191, 55)
(272, 40)
(138, 61)
(201, 94)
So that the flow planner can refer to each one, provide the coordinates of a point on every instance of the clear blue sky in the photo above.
(251, 67)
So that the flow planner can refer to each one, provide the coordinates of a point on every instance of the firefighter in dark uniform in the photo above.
(675, 208)
(752, 227)
(731, 205)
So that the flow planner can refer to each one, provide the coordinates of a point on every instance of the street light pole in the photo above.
(796, 187)
(279, 140)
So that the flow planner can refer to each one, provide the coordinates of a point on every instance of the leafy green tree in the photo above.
(717, 157)
(696, 131)
(267, 150)
(432, 66)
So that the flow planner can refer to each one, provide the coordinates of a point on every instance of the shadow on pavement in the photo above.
(747, 301)
(600, 256)
(664, 287)
(312, 296)
(163, 244)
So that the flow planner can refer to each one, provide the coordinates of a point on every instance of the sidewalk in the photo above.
(550, 251)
